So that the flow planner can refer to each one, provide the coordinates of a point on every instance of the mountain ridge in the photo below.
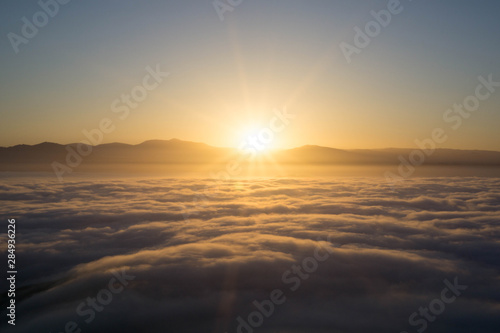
(178, 152)
(175, 140)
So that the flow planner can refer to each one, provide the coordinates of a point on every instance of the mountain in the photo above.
(185, 154)
(391, 156)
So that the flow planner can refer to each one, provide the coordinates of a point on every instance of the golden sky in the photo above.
(227, 77)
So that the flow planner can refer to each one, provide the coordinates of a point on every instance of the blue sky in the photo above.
(231, 73)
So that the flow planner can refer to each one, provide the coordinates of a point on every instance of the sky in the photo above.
(228, 76)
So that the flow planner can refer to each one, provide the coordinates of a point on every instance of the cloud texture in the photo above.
(388, 253)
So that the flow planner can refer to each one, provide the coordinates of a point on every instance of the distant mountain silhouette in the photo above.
(324, 155)
(177, 152)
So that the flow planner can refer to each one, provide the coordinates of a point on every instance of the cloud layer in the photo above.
(389, 251)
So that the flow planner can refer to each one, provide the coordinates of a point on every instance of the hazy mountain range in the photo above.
(177, 152)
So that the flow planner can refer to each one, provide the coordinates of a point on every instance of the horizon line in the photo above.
(271, 149)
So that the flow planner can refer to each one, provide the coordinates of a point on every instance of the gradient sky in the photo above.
(227, 76)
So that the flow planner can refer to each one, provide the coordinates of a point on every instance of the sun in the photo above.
(256, 151)
(256, 138)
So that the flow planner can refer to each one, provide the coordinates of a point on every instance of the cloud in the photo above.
(390, 252)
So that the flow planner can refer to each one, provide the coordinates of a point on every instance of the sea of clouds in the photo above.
(200, 266)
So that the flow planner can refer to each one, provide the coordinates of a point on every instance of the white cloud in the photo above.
(396, 249)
